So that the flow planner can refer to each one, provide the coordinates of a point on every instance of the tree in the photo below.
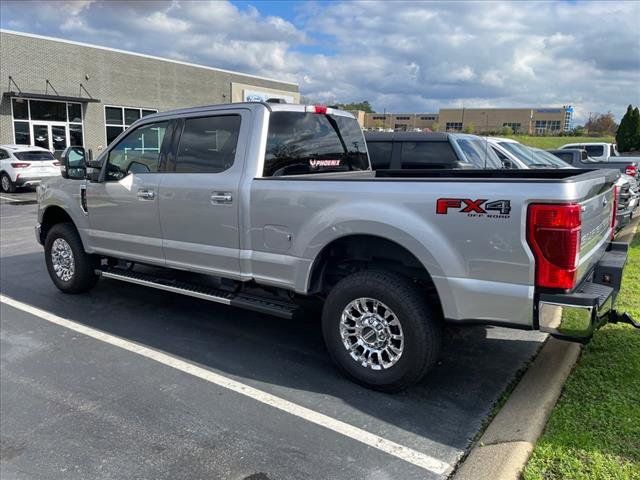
(365, 106)
(635, 133)
(624, 135)
(435, 127)
(506, 131)
(469, 128)
(602, 123)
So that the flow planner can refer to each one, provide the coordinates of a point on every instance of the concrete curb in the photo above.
(504, 448)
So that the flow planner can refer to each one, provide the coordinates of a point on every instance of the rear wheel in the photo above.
(380, 331)
(6, 184)
(69, 266)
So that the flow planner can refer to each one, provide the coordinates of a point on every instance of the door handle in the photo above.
(221, 197)
(144, 194)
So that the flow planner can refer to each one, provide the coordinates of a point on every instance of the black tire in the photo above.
(83, 277)
(421, 328)
(6, 185)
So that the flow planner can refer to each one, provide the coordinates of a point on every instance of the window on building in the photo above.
(403, 118)
(428, 117)
(118, 119)
(378, 117)
(454, 126)
(515, 127)
(545, 126)
(49, 124)
(208, 144)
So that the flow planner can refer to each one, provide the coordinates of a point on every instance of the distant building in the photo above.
(61, 93)
(532, 121)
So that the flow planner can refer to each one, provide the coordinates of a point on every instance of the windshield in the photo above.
(549, 157)
(34, 156)
(479, 153)
(521, 153)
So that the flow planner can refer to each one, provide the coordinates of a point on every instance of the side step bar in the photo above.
(240, 300)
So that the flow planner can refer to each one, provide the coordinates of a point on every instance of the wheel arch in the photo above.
(54, 215)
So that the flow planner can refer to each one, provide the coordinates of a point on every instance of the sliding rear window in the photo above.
(300, 143)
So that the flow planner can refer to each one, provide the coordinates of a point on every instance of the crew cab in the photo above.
(272, 207)
(608, 156)
(25, 166)
(580, 158)
(419, 150)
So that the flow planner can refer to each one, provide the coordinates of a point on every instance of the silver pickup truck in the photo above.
(274, 207)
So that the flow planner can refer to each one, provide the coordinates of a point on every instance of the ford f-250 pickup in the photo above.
(267, 206)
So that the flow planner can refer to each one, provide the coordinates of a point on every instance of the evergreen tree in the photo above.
(625, 131)
(635, 132)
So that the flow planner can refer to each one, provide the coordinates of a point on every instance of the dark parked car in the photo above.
(580, 158)
(418, 150)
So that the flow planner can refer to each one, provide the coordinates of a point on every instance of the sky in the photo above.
(400, 56)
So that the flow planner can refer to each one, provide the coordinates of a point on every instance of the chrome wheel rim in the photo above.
(62, 259)
(371, 333)
(5, 183)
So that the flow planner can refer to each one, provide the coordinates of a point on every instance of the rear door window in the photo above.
(301, 143)
(594, 150)
(380, 154)
(415, 155)
(208, 144)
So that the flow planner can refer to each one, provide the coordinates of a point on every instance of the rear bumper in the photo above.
(575, 316)
(31, 181)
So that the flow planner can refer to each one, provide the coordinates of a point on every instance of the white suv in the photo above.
(25, 166)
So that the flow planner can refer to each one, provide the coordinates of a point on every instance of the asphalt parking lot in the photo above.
(79, 406)
(22, 196)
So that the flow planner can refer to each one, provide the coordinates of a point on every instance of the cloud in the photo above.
(400, 56)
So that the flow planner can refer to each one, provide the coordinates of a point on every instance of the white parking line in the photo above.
(400, 451)
(9, 198)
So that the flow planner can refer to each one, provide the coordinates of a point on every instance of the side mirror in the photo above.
(73, 163)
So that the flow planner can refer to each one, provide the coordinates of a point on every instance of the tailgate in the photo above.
(597, 214)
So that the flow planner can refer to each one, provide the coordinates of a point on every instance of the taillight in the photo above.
(20, 164)
(553, 233)
(631, 170)
(614, 212)
(321, 109)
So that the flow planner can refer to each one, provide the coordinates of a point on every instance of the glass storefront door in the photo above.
(50, 135)
(41, 135)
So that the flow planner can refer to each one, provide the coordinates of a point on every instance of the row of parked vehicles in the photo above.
(275, 208)
(418, 150)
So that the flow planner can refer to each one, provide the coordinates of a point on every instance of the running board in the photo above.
(240, 300)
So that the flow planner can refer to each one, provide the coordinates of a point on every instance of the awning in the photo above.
(49, 96)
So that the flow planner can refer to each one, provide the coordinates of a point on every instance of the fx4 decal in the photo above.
(474, 208)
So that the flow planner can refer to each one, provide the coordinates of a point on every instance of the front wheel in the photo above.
(70, 267)
(380, 330)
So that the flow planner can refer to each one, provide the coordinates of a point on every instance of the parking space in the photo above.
(77, 406)
(23, 196)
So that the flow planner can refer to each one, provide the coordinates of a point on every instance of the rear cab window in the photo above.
(380, 154)
(300, 143)
(34, 156)
(594, 150)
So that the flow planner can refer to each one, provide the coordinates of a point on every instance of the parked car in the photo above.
(25, 166)
(419, 150)
(515, 155)
(628, 194)
(599, 151)
(580, 158)
(269, 206)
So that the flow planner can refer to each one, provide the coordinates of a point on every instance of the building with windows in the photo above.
(57, 93)
(532, 121)
(399, 121)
